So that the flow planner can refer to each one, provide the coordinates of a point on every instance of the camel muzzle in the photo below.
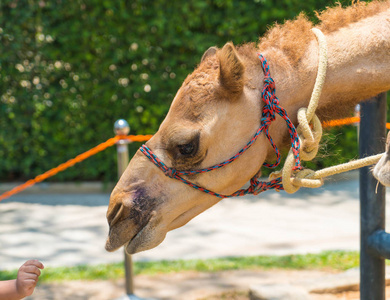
(128, 213)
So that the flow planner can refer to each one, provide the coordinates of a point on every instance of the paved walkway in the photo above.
(69, 229)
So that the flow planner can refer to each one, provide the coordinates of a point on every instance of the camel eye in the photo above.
(186, 149)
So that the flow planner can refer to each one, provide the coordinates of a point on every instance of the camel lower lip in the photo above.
(150, 236)
(114, 244)
(131, 246)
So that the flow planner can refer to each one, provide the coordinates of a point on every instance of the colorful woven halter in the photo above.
(270, 108)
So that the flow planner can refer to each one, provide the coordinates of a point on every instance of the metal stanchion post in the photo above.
(121, 127)
(372, 203)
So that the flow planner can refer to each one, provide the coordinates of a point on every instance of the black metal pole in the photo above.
(372, 199)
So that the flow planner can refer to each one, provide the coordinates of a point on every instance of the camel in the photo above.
(381, 171)
(218, 109)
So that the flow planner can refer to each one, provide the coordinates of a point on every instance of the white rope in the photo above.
(310, 133)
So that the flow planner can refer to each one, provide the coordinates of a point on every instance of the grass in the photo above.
(329, 260)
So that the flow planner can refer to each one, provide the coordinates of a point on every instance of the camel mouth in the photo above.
(148, 237)
(132, 245)
(129, 212)
(115, 240)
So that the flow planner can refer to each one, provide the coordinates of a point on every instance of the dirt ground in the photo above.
(232, 285)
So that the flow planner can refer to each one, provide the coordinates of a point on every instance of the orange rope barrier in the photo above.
(346, 121)
(341, 122)
(110, 142)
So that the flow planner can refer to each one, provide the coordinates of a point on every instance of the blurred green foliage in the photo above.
(70, 69)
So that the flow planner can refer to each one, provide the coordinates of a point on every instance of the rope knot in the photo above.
(269, 82)
(171, 173)
(259, 187)
(268, 115)
(270, 108)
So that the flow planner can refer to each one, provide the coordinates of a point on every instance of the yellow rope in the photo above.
(352, 165)
(310, 133)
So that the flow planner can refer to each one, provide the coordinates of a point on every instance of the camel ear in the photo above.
(231, 69)
(210, 51)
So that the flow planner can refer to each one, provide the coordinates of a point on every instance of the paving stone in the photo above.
(277, 292)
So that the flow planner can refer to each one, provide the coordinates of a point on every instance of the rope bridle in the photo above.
(270, 109)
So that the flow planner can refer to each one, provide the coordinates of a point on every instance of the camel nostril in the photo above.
(115, 214)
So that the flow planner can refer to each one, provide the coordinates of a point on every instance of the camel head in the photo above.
(217, 110)
(381, 170)
(214, 114)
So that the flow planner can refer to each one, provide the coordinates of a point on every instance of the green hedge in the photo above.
(69, 69)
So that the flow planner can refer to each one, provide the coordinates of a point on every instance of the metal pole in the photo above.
(372, 200)
(121, 127)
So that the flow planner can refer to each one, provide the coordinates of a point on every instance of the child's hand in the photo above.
(28, 277)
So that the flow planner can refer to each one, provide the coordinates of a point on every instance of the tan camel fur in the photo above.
(217, 110)
(381, 171)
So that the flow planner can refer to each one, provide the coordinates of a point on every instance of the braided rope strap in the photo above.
(270, 109)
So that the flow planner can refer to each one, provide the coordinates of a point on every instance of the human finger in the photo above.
(32, 270)
(35, 262)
